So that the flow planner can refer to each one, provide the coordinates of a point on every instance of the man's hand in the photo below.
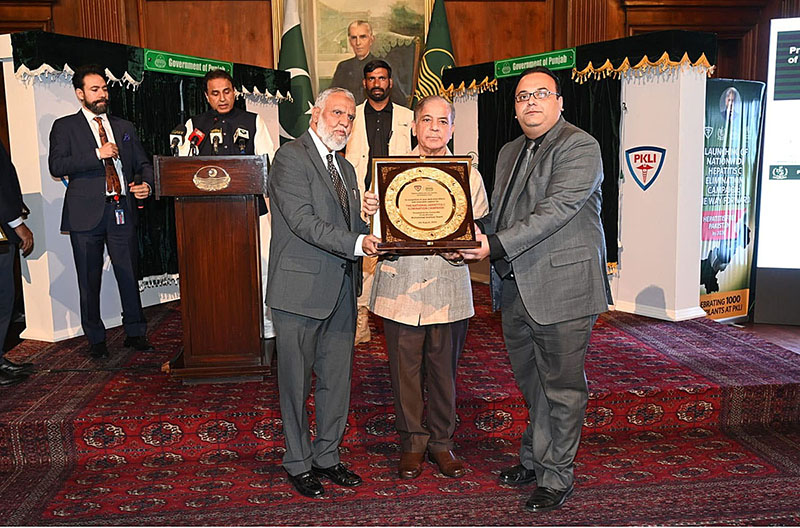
(25, 234)
(474, 255)
(140, 191)
(453, 256)
(369, 205)
(370, 246)
(109, 150)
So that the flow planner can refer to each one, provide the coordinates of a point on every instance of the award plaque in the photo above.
(426, 204)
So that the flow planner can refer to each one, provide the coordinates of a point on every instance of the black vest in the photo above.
(229, 122)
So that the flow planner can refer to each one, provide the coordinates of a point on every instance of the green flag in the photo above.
(294, 116)
(438, 55)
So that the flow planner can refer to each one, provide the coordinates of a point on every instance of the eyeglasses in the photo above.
(537, 94)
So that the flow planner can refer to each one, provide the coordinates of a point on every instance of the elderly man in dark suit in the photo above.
(14, 234)
(546, 244)
(318, 237)
(102, 157)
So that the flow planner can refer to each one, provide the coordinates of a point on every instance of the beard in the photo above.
(378, 94)
(327, 136)
(99, 106)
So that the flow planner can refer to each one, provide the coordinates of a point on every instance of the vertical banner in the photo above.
(732, 138)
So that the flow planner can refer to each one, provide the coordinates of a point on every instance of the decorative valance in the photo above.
(40, 55)
(468, 81)
(654, 52)
(648, 53)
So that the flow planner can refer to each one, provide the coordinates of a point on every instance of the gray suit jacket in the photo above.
(551, 229)
(311, 244)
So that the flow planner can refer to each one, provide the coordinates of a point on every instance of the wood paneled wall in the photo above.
(487, 30)
(481, 30)
(232, 30)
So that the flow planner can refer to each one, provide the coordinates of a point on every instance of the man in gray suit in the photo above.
(546, 244)
(318, 237)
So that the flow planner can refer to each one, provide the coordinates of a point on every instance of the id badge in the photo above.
(120, 216)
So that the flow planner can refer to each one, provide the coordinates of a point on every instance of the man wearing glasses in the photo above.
(546, 245)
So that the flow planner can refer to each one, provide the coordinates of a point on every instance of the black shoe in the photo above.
(517, 475)
(139, 343)
(6, 365)
(98, 350)
(339, 474)
(307, 484)
(7, 378)
(546, 499)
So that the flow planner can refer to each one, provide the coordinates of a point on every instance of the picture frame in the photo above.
(399, 28)
(425, 204)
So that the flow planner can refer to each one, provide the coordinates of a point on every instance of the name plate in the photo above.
(426, 205)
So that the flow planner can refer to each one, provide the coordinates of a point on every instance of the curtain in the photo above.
(592, 106)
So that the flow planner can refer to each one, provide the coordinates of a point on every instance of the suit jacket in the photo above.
(357, 150)
(427, 289)
(312, 247)
(551, 229)
(11, 205)
(72, 154)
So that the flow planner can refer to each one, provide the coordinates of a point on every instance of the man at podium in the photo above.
(318, 237)
(230, 131)
(241, 132)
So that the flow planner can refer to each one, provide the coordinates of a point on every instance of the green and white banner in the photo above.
(732, 142)
(555, 60)
(175, 63)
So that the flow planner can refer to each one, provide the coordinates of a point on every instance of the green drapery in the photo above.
(154, 107)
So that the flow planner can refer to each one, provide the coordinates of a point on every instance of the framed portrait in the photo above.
(398, 29)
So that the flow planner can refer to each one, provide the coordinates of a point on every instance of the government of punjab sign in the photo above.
(175, 63)
(555, 60)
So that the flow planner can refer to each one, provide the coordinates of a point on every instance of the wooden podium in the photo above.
(216, 220)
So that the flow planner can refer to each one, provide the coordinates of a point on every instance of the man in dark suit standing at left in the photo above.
(14, 234)
(103, 158)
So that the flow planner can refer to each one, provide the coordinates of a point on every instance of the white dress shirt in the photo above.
(110, 136)
(323, 154)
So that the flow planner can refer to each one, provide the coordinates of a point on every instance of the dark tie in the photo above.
(341, 192)
(112, 178)
(501, 266)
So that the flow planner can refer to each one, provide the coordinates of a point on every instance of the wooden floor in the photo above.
(786, 336)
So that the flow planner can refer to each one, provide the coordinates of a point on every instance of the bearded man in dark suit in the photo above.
(102, 157)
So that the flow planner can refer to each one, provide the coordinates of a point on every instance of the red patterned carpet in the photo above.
(688, 423)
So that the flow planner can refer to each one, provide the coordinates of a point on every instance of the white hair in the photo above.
(321, 98)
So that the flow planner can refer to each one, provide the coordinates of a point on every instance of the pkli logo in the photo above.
(645, 163)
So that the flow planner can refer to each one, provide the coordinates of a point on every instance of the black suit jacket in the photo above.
(11, 205)
(72, 154)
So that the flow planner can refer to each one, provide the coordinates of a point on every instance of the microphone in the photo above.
(240, 137)
(137, 180)
(196, 138)
(176, 138)
(216, 139)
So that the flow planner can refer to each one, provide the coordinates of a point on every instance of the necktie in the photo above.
(112, 178)
(338, 185)
(502, 267)
(520, 169)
